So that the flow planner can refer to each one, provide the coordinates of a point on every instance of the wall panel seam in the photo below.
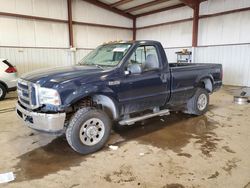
(200, 17)
(61, 21)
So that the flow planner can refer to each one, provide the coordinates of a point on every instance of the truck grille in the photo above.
(27, 94)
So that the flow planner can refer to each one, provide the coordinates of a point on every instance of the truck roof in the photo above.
(132, 42)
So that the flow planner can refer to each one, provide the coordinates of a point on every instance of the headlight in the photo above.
(49, 96)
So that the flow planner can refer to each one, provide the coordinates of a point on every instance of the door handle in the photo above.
(163, 77)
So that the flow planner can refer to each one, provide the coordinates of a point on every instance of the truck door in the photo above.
(146, 81)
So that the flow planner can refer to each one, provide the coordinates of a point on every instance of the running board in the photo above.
(131, 121)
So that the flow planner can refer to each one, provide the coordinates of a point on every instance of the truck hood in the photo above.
(60, 74)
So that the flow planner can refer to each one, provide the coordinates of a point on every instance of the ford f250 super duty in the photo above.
(121, 82)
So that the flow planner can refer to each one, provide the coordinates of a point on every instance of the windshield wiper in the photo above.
(91, 64)
(99, 66)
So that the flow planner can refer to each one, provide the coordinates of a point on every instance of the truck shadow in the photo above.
(48, 159)
(172, 132)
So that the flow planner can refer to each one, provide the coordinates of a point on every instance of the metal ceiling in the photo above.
(137, 8)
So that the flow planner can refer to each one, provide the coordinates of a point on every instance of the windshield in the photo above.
(108, 55)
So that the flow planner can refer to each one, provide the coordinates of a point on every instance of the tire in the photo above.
(88, 130)
(198, 104)
(3, 92)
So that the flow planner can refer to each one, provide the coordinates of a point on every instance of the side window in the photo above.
(138, 56)
(145, 58)
(152, 59)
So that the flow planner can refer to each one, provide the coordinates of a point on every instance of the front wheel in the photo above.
(88, 130)
(198, 104)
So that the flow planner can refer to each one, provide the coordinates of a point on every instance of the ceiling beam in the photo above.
(161, 10)
(32, 17)
(145, 5)
(192, 3)
(189, 3)
(121, 2)
(107, 7)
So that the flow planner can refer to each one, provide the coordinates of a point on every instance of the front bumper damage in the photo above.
(50, 123)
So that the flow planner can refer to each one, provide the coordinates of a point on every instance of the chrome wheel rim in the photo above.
(92, 131)
(1, 92)
(202, 102)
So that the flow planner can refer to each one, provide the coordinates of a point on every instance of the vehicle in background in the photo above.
(8, 78)
(122, 82)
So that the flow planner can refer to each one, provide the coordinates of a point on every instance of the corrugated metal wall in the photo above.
(167, 16)
(85, 12)
(174, 37)
(219, 37)
(214, 6)
(19, 32)
(44, 8)
(235, 60)
(89, 36)
(44, 43)
(226, 29)
(28, 59)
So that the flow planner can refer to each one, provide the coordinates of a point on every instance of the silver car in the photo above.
(8, 78)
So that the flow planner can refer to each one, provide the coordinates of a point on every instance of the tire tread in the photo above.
(75, 123)
(73, 120)
(192, 103)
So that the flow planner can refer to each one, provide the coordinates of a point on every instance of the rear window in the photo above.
(7, 63)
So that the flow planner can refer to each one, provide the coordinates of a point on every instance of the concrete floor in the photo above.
(171, 152)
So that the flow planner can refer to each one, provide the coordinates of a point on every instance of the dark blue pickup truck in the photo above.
(121, 82)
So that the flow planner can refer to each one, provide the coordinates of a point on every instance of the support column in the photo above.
(134, 28)
(72, 50)
(196, 8)
(70, 25)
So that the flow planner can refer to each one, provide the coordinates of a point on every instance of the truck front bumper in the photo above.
(50, 123)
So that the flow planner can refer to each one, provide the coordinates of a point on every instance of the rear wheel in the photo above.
(88, 130)
(3, 92)
(198, 104)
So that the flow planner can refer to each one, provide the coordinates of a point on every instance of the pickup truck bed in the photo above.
(186, 77)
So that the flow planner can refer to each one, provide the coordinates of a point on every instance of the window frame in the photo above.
(145, 45)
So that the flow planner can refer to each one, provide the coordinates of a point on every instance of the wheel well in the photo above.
(108, 105)
(4, 84)
(206, 84)
(99, 101)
